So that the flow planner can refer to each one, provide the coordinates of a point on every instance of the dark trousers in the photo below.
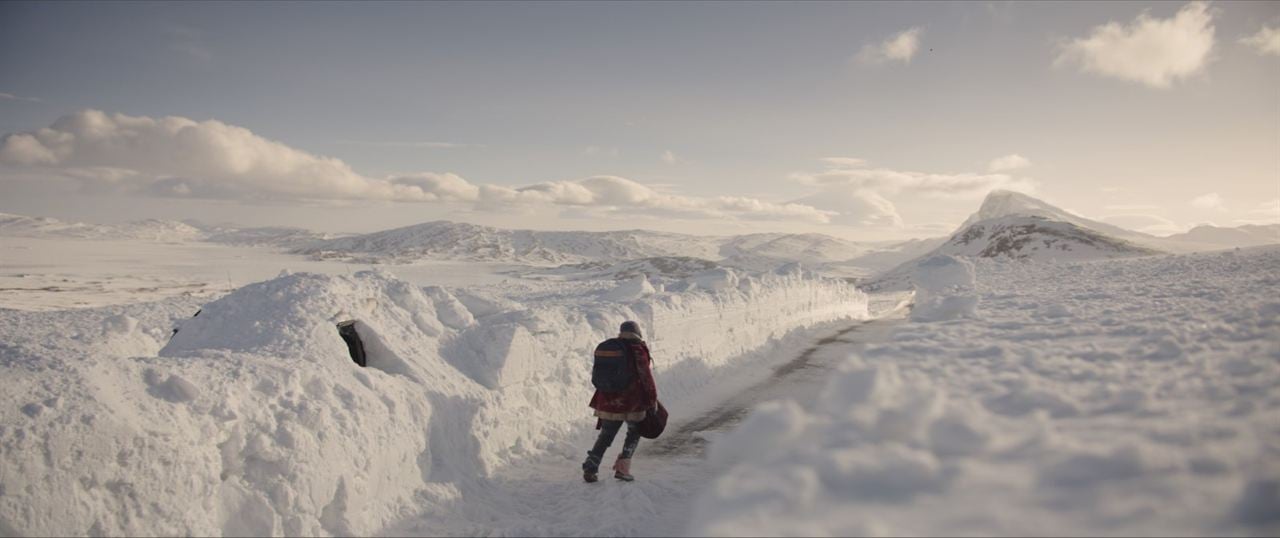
(609, 430)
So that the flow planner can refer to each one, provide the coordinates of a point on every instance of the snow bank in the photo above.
(253, 419)
(1133, 397)
(944, 289)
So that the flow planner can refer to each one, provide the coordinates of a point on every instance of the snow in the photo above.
(944, 289)
(624, 253)
(1117, 397)
(252, 419)
(1056, 392)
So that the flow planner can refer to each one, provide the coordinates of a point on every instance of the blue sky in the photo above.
(683, 103)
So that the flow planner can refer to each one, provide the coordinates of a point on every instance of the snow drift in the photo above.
(1118, 397)
(253, 419)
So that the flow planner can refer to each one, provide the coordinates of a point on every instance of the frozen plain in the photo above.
(1105, 397)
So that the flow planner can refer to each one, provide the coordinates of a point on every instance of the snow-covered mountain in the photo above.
(655, 269)
(1012, 225)
(149, 229)
(462, 241)
(268, 236)
(1200, 238)
(1002, 203)
(1037, 238)
(768, 250)
(157, 230)
(1249, 235)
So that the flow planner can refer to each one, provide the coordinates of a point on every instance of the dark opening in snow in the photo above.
(175, 329)
(347, 330)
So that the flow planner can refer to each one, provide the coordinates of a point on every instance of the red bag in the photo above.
(655, 420)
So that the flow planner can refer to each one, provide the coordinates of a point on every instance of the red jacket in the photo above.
(640, 396)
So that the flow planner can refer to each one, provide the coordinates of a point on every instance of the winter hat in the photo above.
(631, 327)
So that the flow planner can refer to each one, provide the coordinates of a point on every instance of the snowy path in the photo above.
(548, 497)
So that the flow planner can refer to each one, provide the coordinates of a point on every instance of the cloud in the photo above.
(899, 48)
(180, 157)
(1130, 207)
(12, 97)
(855, 207)
(406, 144)
(846, 162)
(1208, 201)
(855, 174)
(592, 151)
(188, 40)
(859, 195)
(618, 194)
(1008, 162)
(1145, 223)
(1152, 51)
(1266, 41)
(1265, 213)
(669, 157)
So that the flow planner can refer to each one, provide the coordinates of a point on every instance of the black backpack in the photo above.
(615, 368)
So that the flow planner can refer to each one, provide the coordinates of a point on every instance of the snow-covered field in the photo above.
(1122, 397)
(1044, 390)
(252, 419)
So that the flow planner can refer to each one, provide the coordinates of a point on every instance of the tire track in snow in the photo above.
(789, 380)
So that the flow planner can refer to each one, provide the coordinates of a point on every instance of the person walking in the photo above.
(624, 367)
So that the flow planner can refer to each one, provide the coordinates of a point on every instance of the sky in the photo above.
(861, 120)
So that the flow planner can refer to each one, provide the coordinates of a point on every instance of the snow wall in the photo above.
(253, 419)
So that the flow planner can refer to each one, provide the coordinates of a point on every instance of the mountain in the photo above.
(149, 230)
(1002, 203)
(656, 269)
(769, 250)
(461, 241)
(1015, 226)
(1023, 237)
(167, 231)
(582, 250)
(267, 236)
(1249, 235)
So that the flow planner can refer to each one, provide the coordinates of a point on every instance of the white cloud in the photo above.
(1152, 51)
(592, 151)
(1145, 223)
(847, 162)
(1208, 201)
(1008, 162)
(188, 41)
(12, 97)
(180, 157)
(1266, 41)
(406, 144)
(899, 48)
(1130, 207)
(855, 207)
(887, 181)
(621, 194)
(859, 194)
(1265, 213)
(669, 157)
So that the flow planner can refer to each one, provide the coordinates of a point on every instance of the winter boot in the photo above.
(622, 470)
(590, 468)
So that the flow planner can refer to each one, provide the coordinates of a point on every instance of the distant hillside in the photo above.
(1037, 238)
(167, 231)
(149, 230)
(1015, 226)
(1249, 235)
